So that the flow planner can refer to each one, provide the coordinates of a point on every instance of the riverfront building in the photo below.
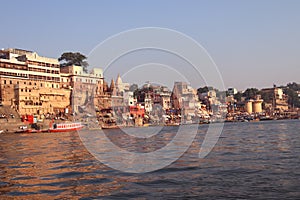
(31, 83)
(85, 86)
(184, 97)
(277, 99)
(253, 106)
(34, 84)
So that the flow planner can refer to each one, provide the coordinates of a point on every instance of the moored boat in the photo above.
(65, 127)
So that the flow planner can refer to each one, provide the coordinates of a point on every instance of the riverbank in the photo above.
(14, 125)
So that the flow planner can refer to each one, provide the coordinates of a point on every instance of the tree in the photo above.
(294, 86)
(133, 87)
(250, 93)
(293, 98)
(267, 96)
(70, 58)
(238, 96)
(202, 90)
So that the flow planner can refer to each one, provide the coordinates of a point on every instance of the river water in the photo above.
(259, 160)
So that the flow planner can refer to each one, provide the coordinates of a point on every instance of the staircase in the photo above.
(7, 110)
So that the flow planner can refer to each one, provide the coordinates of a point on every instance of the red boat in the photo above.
(65, 127)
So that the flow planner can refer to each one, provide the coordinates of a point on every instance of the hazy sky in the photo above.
(253, 43)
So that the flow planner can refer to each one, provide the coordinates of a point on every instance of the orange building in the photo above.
(137, 111)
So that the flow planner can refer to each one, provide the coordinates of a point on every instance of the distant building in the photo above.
(118, 90)
(184, 97)
(277, 99)
(120, 86)
(232, 91)
(129, 99)
(253, 106)
(85, 86)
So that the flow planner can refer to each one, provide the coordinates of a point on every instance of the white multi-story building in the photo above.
(31, 83)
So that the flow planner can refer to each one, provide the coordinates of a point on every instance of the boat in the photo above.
(34, 131)
(65, 127)
(30, 131)
(110, 127)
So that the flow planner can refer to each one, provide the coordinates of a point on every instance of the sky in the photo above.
(253, 43)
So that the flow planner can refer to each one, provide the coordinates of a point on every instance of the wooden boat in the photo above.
(31, 131)
(110, 127)
(65, 127)
(34, 131)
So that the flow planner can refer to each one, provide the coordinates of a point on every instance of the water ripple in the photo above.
(250, 161)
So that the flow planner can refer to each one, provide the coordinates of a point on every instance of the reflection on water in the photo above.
(250, 161)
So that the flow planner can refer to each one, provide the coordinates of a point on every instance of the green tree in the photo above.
(293, 98)
(294, 86)
(238, 96)
(250, 93)
(70, 58)
(267, 96)
(202, 90)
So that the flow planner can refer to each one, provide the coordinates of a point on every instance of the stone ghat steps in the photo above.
(7, 110)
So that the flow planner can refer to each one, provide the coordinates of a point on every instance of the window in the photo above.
(21, 90)
(41, 84)
(10, 82)
(4, 81)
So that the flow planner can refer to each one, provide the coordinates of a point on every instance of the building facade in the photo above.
(31, 83)
(86, 87)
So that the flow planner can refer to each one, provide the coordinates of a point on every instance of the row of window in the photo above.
(30, 103)
(43, 70)
(45, 78)
(86, 80)
(42, 64)
(14, 74)
(29, 83)
(94, 74)
(34, 77)
(29, 90)
(13, 66)
(46, 97)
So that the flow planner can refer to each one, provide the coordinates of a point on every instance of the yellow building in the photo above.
(254, 106)
(257, 106)
(278, 99)
(248, 106)
(31, 83)
(34, 84)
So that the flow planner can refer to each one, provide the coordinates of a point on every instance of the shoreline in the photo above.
(10, 128)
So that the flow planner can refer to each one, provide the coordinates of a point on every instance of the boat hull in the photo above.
(64, 130)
